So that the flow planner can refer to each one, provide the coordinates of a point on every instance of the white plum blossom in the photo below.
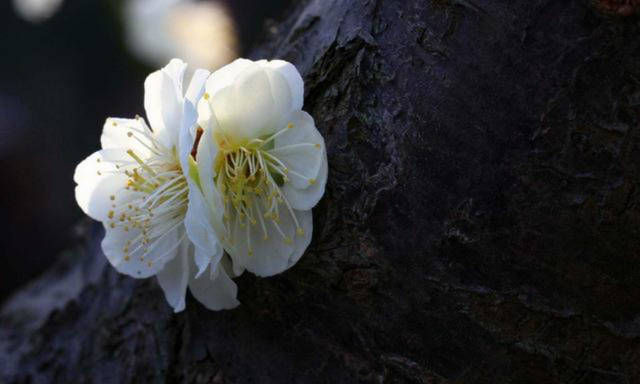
(262, 164)
(137, 186)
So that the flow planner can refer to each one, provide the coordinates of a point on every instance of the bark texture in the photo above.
(481, 221)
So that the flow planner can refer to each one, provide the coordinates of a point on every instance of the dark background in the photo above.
(59, 80)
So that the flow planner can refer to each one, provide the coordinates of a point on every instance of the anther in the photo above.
(206, 96)
(111, 213)
(112, 197)
(129, 134)
(318, 146)
(312, 181)
(300, 231)
(290, 125)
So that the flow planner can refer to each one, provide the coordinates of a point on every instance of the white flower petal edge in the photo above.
(261, 163)
(137, 186)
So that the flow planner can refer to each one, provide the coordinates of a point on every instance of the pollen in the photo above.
(312, 181)
(206, 96)
(318, 146)
(250, 178)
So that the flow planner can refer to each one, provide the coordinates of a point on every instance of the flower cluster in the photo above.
(221, 179)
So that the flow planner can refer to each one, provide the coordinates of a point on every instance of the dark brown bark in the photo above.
(480, 223)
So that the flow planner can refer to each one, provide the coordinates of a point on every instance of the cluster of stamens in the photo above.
(154, 198)
(250, 179)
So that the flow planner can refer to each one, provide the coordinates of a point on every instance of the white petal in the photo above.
(207, 153)
(270, 256)
(163, 101)
(282, 98)
(247, 110)
(126, 134)
(99, 179)
(175, 70)
(223, 109)
(225, 76)
(197, 85)
(193, 95)
(200, 219)
(201, 232)
(303, 159)
(174, 278)
(305, 219)
(138, 265)
(302, 194)
(98, 165)
(203, 258)
(294, 80)
(304, 131)
(187, 135)
(94, 195)
(217, 293)
(206, 119)
(305, 199)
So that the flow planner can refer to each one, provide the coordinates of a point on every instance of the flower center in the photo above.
(250, 180)
(153, 201)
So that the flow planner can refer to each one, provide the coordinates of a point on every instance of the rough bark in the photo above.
(480, 223)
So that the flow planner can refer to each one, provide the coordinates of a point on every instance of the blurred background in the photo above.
(66, 66)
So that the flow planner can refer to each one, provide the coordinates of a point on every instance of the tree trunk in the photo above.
(480, 223)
